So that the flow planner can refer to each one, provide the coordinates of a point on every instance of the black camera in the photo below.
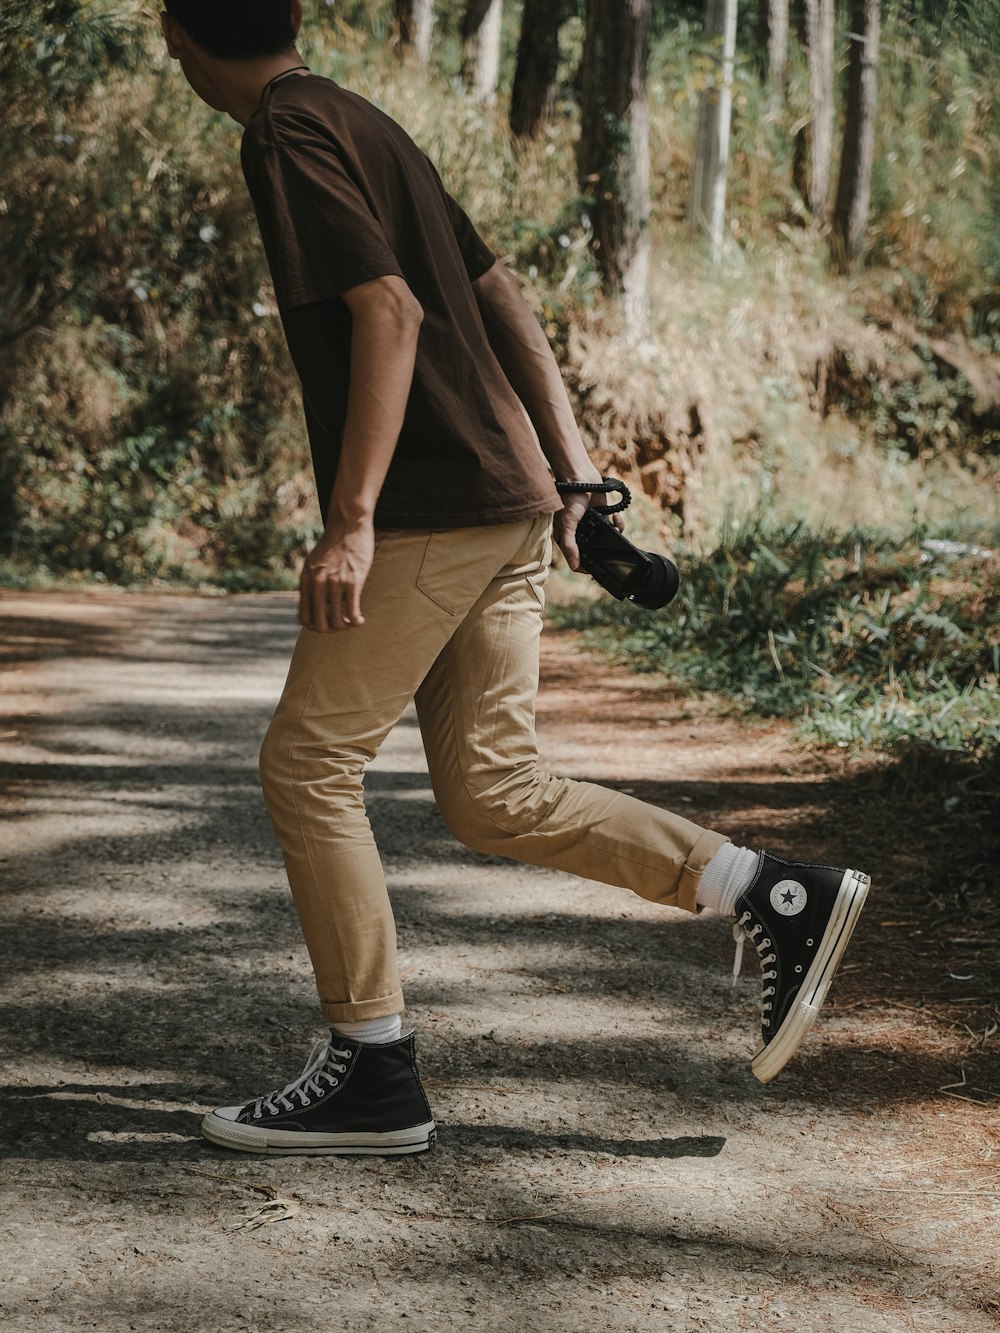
(644, 577)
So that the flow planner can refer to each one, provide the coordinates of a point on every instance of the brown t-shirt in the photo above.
(343, 196)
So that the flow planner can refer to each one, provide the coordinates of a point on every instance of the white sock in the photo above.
(725, 877)
(372, 1029)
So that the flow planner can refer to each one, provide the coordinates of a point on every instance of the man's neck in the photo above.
(239, 85)
(267, 73)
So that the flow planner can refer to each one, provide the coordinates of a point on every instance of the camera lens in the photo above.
(659, 585)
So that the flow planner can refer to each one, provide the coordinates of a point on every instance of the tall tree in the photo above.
(711, 161)
(415, 23)
(814, 149)
(481, 48)
(613, 153)
(854, 186)
(772, 35)
(534, 94)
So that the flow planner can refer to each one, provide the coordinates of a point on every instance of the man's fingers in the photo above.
(333, 605)
(338, 606)
(326, 606)
(566, 537)
(305, 600)
(353, 601)
(313, 593)
(327, 602)
(344, 606)
(320, 609)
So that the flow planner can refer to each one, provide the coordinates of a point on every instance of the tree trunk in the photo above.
(814, 150)
(711, 163)
(415, 22)
(772, 30)
(613, 155)
(854, 188)
(534, 95)
(481, 48)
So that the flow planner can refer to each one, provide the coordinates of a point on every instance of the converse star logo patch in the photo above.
(788, 897)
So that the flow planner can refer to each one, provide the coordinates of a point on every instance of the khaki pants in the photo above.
(452, 619)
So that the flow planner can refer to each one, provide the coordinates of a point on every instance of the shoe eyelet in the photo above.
(334, 1082)
(810, 943)
(798, 967)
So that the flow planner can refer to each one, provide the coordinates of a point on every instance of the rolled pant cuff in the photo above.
(358, 1010)
(698, 858)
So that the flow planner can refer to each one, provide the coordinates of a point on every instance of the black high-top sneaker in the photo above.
(800, 918)
(352, 1097)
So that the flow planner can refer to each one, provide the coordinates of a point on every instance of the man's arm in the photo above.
(386, 319)
(527, 360)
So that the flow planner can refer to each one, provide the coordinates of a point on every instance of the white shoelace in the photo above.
(310, 1083)
(741, 935)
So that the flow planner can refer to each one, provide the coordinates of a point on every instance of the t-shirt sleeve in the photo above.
(476, 254)
(321, 234)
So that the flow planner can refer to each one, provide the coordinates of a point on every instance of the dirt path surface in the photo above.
(605, 1159)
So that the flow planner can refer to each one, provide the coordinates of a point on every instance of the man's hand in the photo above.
(568, 519)
(565, 524)
(333, 576)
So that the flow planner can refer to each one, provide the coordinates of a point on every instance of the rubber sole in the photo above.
(289, 1142)
(771, 1059)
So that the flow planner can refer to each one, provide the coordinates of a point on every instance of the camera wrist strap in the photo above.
(598, 488)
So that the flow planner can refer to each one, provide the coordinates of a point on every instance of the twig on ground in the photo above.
(268, 1190)
(965, 1084)
(470, 1087)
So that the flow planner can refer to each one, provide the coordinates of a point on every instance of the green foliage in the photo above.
(148, 423)
(50, 56)
(934, 188)
(922, 411)
(870, 643)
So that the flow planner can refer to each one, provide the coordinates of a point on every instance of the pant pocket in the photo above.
(459, 564)
(444, 574)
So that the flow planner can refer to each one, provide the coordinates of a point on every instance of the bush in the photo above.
(149, 425)
(869, 643)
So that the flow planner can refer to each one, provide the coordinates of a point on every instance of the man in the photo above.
(413, 346)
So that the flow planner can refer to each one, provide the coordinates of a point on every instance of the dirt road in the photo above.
(605, 1159)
